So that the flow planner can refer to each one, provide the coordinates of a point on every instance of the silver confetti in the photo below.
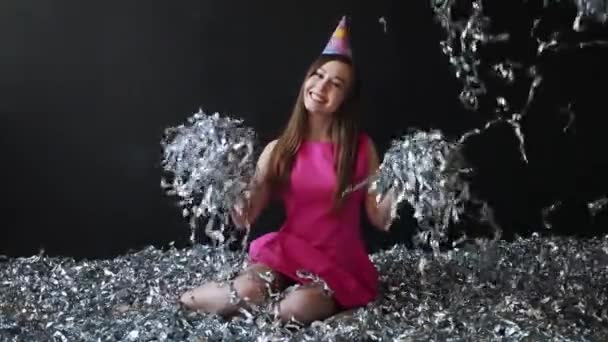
(466, 32)
(597, 206)
(315, 279)
(210, 163)
(384, 22)
(593, 11)
(426, 170)
(538, 289)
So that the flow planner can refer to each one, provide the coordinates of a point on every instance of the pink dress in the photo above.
(316, 239)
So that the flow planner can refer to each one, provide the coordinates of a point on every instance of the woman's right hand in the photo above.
(239, 217)
(247, 208)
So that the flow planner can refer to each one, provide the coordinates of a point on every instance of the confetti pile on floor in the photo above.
(530, 289)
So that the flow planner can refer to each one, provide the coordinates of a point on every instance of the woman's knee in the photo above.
(211, 297)
(307, 305)
(294, 306)
(251, 288)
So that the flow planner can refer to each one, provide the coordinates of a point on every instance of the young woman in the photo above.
(310, 166)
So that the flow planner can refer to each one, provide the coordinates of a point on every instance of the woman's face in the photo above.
(327, 87)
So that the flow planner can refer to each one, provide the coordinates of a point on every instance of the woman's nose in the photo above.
(322, 85)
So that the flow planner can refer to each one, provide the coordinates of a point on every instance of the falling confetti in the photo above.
(467, 34)
(382, 20)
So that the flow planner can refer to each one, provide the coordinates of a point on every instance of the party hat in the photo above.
(339, 43)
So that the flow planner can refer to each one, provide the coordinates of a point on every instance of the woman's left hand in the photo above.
(381, 214)
(386, 210)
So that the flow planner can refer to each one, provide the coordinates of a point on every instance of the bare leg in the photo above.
(342, 315)
(307, 304)
(250, 287)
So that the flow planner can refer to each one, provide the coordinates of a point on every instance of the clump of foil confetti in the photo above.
(427, 171)
(209, 162)
(533, 289)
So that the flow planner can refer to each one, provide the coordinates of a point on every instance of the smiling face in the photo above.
(327, 87)
(330, 90)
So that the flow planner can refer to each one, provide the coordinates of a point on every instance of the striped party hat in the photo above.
(339, 43)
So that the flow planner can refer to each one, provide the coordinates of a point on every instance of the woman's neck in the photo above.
(318, 127)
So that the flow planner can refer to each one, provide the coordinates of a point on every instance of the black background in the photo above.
(87, 88)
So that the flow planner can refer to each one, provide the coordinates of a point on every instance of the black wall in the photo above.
(87, 88)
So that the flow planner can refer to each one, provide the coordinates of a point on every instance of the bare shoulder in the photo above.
(268, 149)
(266, 153)
(270, 145)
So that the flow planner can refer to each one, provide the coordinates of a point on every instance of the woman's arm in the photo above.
(260, 192)
(379, 214)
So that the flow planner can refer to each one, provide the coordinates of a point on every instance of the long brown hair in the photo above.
(343, 130)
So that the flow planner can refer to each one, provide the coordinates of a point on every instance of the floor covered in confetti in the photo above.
(534, 289)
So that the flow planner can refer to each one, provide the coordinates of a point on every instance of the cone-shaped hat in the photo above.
(339, 43)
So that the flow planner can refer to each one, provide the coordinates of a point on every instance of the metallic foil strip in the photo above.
(209, 164)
